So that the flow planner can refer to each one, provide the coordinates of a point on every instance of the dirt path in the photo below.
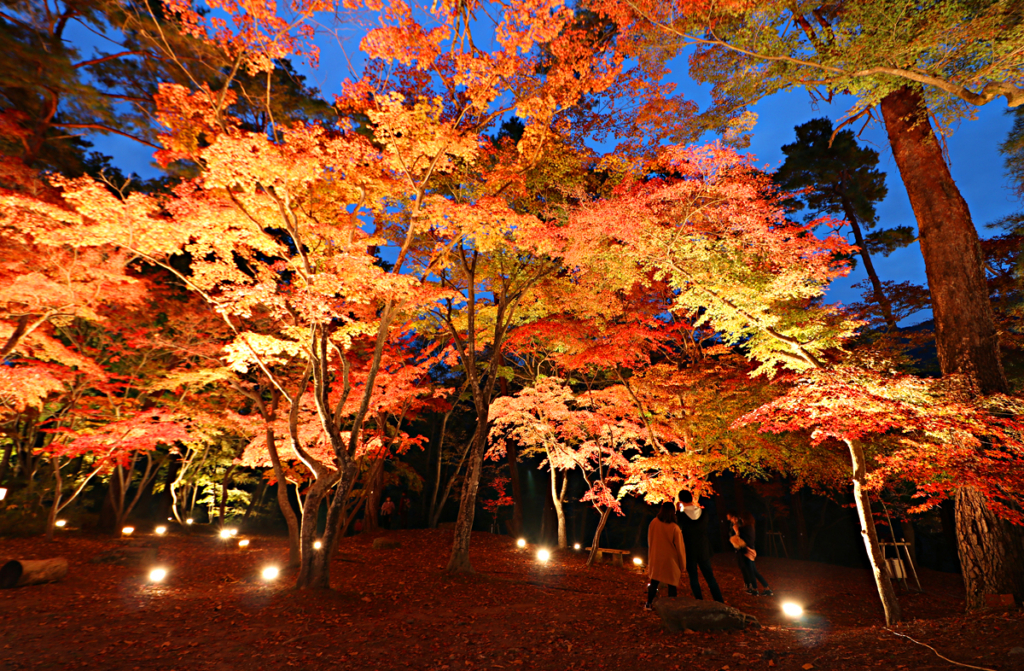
(397, 609)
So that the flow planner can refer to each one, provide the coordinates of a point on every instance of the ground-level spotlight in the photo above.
(157, 574)
(3, 493)
(638, 561)
(60, 524)
(225, 533)
(317, 545)
(543, 555)
(791, 609)
(232, 532)
(575, 546)
(189, 521)
(244, 543)
(521, 542)
(161, 530)
(270, 573)
(127, 531)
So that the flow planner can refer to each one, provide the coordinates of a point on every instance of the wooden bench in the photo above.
(616, 555)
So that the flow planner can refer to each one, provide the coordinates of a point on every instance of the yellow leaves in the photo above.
(249, 350)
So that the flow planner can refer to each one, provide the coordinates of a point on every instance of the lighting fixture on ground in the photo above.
(60, 523)
(127, 531)
(270, 573)
(638, 561)
(791, 609)
(244, 543)
(157, 574)
(575, 546)
(3, 493)
(225, 533)
(161, 530)
(317, 545)
(543, 555)
(189, 521)
(521, 542)
(233, 532)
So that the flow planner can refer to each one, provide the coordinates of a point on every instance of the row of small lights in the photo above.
(544, 555)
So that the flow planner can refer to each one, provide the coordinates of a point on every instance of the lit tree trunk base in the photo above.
(596, 544)
(965, 332)
(459, 560)
(867, 526)
(991, 550)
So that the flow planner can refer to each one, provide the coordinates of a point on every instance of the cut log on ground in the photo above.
(21, 572)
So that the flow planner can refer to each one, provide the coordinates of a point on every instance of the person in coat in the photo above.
(666, 553)
(694, 525)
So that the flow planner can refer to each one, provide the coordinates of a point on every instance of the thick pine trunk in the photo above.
(965, 332)
(988, 567)
(867, 527)
(459, 560)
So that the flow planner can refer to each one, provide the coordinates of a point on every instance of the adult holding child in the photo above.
(743, 542)
(666, 553)
(694, 525)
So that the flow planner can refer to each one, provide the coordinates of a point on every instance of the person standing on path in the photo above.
(666, 553)
(743, 542)
(385, 513)
(694, 525)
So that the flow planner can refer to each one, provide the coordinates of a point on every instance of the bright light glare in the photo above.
(160, 531)
(127, 531)
(233, 532)
(60, 523)
(157, 574)
(543, 555)
(638, 561)
(225, 533)
(270, 573)
(189, 521)
(792, 609)
(576, 546)
(317, 545)
(521, 542)
(244, 543)
(3, 493)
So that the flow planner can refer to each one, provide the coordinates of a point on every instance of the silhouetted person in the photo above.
(694, 525)
(666, 554)
(743, 542)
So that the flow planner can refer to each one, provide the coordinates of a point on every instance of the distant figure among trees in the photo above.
(743, 542)
(666, 553)
(694, 526)
(386, 511)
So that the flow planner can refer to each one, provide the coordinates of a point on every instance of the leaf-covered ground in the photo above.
(398, 609)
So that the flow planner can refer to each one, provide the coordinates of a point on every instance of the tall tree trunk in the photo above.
(988, 568)
(556, 499)
(596, 543)
(256, 500)
(965, 332)
(459, 560)
(6, 460)
(869, 267)
(225, 483)
(311, 564)
(867, 530)
(282, 498)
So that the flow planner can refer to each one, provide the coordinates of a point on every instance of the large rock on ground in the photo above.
(385, 544)
(680, 614)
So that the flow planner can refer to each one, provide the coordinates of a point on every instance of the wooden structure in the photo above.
(616, 554)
